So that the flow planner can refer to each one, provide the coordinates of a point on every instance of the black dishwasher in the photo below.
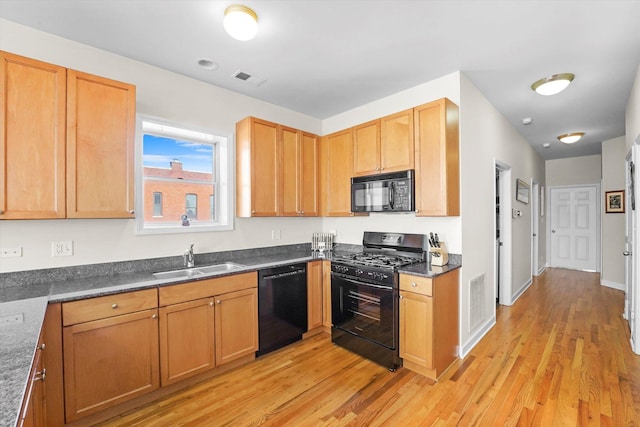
(282, 306)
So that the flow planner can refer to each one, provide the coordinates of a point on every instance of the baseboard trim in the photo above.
(614, 285)
(475, 338)
(521, 291)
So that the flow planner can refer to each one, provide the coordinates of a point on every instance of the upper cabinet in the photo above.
(257, 162)
(276, 170)
(336, 160)
(66, 143)
(437, 156)
(101, 116)
(384, 145)
(32, 138)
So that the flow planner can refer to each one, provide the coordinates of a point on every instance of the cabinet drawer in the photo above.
(207, 288)
(417, 284)
(111, 305)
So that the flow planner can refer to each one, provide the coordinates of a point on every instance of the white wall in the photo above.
(574, 171)
(632, 116)
(485, 136)
(166, 95)
(613, 178)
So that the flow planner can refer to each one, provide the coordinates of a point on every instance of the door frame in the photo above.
(598, 222)
(535, 227)
(631, 291)
(503, 276)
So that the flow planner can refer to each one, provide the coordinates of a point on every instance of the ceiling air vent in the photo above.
(246, 77)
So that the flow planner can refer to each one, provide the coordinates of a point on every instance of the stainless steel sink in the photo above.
(219, 268)
(186, 273)
(195, 272)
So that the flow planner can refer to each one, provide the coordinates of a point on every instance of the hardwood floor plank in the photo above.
(560, 356)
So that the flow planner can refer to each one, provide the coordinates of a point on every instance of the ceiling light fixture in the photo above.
(553, 84)
(240, 22)
(570, 138)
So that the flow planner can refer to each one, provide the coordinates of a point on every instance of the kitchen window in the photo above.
(179, 165)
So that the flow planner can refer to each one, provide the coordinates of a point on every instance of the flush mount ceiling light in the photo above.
(553, 84)
(240, 22)
(570, 138)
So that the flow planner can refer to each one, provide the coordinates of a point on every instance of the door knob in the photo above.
(626, 253)
(553, 231)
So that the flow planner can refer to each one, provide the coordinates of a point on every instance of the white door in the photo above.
(629, 271)
(574, 222)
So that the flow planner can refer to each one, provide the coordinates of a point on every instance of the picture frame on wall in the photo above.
(614, 201)
(522, 191)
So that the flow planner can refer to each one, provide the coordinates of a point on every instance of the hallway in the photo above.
(559, 356)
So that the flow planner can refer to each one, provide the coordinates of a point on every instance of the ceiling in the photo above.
(324, 57)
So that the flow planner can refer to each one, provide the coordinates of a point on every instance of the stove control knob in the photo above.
(359, 272)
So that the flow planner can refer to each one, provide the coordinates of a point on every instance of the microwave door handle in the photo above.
(391, 194)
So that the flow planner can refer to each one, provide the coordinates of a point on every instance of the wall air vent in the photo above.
(246, 77)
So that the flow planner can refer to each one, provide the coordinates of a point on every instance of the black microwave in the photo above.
(387, 192)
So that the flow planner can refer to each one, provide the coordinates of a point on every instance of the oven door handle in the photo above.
(355, 282)
(392, 195)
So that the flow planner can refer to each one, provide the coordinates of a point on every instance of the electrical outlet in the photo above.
(63, 248)
(275, 234)
(11, 319)
(11, 252)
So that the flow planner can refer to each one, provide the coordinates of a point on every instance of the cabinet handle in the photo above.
(401, 297)
(414, 284)
(218, 302)
(40, 376)
(211, 304)
(114, 305)
(41, 347)
(132, 212)
(1, 212)
(253, 212)
(154, 316)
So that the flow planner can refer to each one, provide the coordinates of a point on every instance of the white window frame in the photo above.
(224, 177)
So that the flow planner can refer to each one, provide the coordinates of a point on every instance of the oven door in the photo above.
(364, 309)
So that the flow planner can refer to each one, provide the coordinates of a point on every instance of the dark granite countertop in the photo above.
(28, 293)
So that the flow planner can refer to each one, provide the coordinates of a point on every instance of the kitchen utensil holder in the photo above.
(439, 256)
(321, 242)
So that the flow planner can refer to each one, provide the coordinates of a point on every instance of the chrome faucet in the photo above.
(188, 257)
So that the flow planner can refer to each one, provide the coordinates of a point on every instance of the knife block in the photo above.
(439, 256)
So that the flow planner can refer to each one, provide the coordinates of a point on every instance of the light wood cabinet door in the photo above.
(337, 167)
(326, 294)
(309, 175)
(32, 138)
(236, 325)
(32, 413)
(291, 170)
(258, 157)
(109, 361)
(100, 140)
(366, 148)
(437, 153)
(416, 329)
(396, 142)
(187, 344)
(314, 295)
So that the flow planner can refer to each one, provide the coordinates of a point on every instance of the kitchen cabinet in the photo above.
(32, 413)
(66, 143)
(336, 160)
(110, 351)
(207, 323)
(32, 138)
(187, 344)
(315, 295)
(101, 115)
(326, 295)
(236, 325)
(258, 156)
(437, 158)
(429, 323)
(384, 145)
(300, 151)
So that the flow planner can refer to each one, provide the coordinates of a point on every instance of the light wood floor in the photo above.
(560, 356)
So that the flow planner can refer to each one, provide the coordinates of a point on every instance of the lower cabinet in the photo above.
(33, 410)
(187, 345)
(429, 323)
(314, 295)
(236, 316)
(110, 351)
(326, 295)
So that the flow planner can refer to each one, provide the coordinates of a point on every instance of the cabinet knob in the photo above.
(40, 376)
(211, 303)
(401, 297)
(132, 212)
(41, 347)
(154, 316)
(114, 305)
(218, 302)
(414, 284)
(1, 212)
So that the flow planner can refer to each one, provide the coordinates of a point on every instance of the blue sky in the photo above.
(158, 152)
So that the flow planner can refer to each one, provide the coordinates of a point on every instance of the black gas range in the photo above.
(365, 297)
